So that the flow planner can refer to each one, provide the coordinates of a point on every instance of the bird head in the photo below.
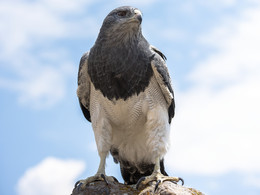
(122, 21)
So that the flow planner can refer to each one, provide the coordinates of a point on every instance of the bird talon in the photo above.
(82, 184)
(182, 181)
(139, 182)
(156, 185)
(159, 178)
(79, 186)
(76, 184)
(115, 179)
(104, 178)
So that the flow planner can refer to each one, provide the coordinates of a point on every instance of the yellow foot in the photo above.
(159, 178)
(81, 184)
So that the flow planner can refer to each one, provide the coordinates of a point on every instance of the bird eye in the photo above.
(121, 13)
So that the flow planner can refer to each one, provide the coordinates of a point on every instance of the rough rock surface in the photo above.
(114, 188)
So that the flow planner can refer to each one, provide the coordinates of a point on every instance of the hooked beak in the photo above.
(138, 15)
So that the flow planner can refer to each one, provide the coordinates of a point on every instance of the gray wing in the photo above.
(83, 90)
(162, 76)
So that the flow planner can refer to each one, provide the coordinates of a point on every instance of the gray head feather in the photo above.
(121, 24)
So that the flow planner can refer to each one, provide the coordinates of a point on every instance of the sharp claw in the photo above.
(115, 179)
(139, 182)
(78, 187)
(76, 184)
(103, 176)
(156, 185)
(182, 181)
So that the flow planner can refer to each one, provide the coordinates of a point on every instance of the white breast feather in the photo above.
(138, 127)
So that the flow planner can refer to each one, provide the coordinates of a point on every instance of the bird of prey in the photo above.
(125, 91)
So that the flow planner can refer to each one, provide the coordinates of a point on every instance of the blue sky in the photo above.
(212, 49)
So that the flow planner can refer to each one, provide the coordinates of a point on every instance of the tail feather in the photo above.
(131, 173)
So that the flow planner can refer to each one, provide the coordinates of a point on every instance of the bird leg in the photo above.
(158, 177)
(99, 176)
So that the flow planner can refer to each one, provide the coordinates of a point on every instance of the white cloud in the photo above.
(252, 180)
(28, 50)
(214, 3)
(237, 55)
(39, 85)
(216, 129)
(52, 176)
(136, 2)
(42, 90)
(24, 23)
(30, 24)
(65, 6)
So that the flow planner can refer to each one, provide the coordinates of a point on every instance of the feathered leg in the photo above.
(102, 131)
(158, 127)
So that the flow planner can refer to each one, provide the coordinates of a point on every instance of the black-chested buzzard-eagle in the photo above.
(124, 90)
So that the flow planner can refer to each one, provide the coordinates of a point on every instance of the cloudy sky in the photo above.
(213, 51)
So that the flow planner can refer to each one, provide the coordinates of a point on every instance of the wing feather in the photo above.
(83, 91)
(162, 76)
